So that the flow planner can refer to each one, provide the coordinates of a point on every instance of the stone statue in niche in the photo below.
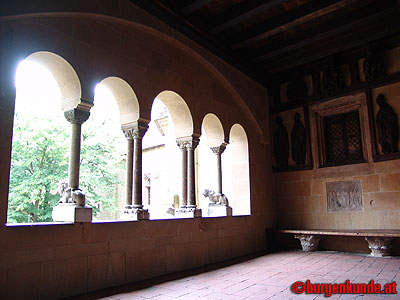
(344, 196)
(296, 88)
(332, 83)
(373, 66)
(281, 144)
(298, 139)
(388, 126)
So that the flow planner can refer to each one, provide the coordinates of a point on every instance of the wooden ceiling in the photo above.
(271, 37)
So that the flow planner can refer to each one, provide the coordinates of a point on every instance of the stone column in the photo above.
(191, 146)
(182, 146)
(188, 207)
(134, 210)
(221, 205)
(76, 117)
(72, 206)
(129, 166)
(218, 152)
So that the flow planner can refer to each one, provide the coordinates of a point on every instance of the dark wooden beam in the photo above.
(187, 29)
(325, 35)
(293, 18)
(195, 5)
(240, 12)
(388, 27)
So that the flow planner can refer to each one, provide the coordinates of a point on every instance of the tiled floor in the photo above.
(268, 276)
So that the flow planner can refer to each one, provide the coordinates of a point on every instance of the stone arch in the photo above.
(214, 131)
(125, 97)
(236, 172)
(65, 75)
(179, 111)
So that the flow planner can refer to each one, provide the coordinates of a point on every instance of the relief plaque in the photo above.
(344, 196)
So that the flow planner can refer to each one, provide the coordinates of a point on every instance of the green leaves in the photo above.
(40, 154)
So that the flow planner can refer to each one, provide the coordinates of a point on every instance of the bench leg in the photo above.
(308, 242)
(380, 246)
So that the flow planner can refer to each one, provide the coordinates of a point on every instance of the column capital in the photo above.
(76, 116)
(190, 142)
(218, 150)
(135, 130)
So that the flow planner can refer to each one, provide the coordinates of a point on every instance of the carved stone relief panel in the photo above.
(344, 196)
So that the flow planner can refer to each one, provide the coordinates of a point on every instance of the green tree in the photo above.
(40, 160)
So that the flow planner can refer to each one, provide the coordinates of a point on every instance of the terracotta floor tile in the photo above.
(268, 276)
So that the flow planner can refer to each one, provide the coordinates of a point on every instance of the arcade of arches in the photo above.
(190, 122)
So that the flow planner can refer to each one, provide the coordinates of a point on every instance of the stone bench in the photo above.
(379, 241)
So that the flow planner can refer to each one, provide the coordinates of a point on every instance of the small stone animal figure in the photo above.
(64, 191)
(215, 198)
(67, 195)
(78, 197)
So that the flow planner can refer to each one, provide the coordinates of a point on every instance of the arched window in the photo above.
(103, 157)
(209, 160)
(236, 178)
(170, 120)
(45, 83)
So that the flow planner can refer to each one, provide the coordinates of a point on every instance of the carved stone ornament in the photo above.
(190, 142)
(308, 242)
(344, 196)
(281, 144)
(332, 82)
(68, 195)
(76, 116)
(136, 130)
(219, 149)
(215, 198)
(388, 126)
(380, 246)
(373, 65)
(299, 140)
(296, 88)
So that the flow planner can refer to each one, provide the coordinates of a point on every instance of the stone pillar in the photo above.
(76, 117)
(182, 146)
(188, 208)
(72, 206)
(129, 166)
(134, 210)
(218, 152)
(191, 146)
(221, 205)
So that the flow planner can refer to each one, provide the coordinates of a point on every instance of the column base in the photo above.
(187, 212)
(308, 242)
(380, 246)
(215, 210)
(69, 212)
(130, 213)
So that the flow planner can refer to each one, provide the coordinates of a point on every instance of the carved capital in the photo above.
(380, 246)
(135, 131)
(190, 143)
(76, 116)
(219, 149)
(308, 242)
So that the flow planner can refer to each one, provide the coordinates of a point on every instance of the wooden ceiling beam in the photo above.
(195, 5)
(293, 18)
(324, 35)
(388, 27)
(240, 12)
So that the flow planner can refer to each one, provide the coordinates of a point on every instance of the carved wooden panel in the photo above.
(344, 196)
